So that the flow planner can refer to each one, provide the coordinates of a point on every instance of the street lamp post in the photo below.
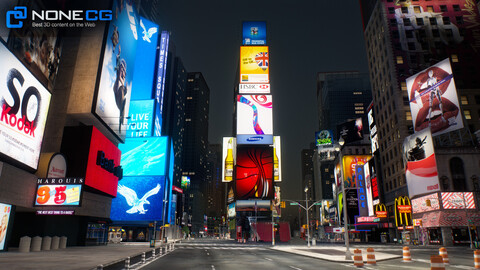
(348, 254)
(308, 223)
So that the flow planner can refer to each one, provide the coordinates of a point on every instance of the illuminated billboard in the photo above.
(458, 200)
(349, 163)
(368, 188)
(142, 85)
(373, 129)
(254, 88)
(144, 156)
(277, 159)
(228, 158)
(58, 195)
(421, 166)
(426, 203)
(363, 207)
(231, 210)
(254, 33)
(185, 184)
(116, 72)
(324, 137)
(141, 118)
(254, 115)
(254, 174)
(140, 198)
(24, 104)
(254, 66)
(5, 211)
(373, 177)
(160, 85)
(433, 99)
(351, 131)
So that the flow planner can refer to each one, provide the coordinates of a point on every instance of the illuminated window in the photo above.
(357, 93)
(468, 115)
(403, 86)
(408, 116)
(429, 8)
(464, 100)
(399, 59)
(417, 9)
(454, 58)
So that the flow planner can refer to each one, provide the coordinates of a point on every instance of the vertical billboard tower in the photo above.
(252, 159)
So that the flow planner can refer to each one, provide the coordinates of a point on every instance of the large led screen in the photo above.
(5, 211)
(254, 114)
(254, 175)
(373, 129)
(58, 195)
(254, 64)
(141, 118)
(115, 86)
(351, 131)
(160, 85)
(144, 156)
(140, 198)
(254, 33)
(142, 87)
(349, 163)
(421, 166)
(324, 137)
(277, 159)
(426, 204)
(458, 200)
(228, 158)
(433, 99)
(24, 104)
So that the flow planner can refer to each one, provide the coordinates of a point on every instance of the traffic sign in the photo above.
(317, 203)
(294, 203)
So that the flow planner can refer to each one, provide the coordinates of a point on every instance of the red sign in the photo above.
(404, 209)
(381, 214)
(374, 187)
(367, 219)
(254, 176)
(177, 189)
(103, 177)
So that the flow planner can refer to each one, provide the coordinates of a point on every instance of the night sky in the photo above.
(305, 37)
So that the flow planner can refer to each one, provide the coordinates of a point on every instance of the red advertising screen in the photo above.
(103, 164)
(254, 176)
(375, 188)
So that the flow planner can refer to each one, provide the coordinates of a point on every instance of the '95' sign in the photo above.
(65, 195)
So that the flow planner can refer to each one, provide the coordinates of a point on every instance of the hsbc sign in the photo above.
(254, 88)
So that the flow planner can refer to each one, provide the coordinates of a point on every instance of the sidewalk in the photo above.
(80, 257)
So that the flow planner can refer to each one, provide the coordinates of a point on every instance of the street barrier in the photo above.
(55, 243)
(153, 252)
(160, 251)
(443, 252)
(46, 243)
(143, 257)
(36, 243)
(357, 258)
(371, 256)
(406, 255)
(476, 258)
(100, 267)
(63, 242)
(24, 245)
(127, 263)
(436, 262)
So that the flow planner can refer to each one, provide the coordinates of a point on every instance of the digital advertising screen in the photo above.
(458, 200)
(351, 131)
(254, 175)
(144, 156)
(143, 77)
(254, 66)
(140, 198)
(349, 163)
(433, 99)
(173, 208)
(231, 210)
(277, 159)
(373, 129)
(5, 211)
(324, 137)
(116, 72)
(421, 166)
(426, 203)
(254, 88)
(24, 104)
(254, 115)
(363, 206)
(58, 195)
(140, 122)
(228, 158)
(185, 184)
(160, 83)
(374, 182)
(254, 33)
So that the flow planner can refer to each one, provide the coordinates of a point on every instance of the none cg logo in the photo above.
(19, 13)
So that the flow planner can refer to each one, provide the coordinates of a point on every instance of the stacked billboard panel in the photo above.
(254, 119)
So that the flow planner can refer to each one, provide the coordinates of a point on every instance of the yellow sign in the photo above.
(349, 163)
(282, 204)
(254, 64)
(402, 216)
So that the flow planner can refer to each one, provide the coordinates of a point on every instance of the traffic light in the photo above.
(282, 204)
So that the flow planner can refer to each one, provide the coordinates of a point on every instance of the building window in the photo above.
(409, 33)
(408, 116)
(391, 10)
(456, 8)
(459, 19)
(443, 8)
(435, 33)
(468, 114)
(454, 58)
(416, 9)
(399, 59)
(393, 22)
(458, 174)
(433, 21)
(411, 46)
(419, 21)
(430, 9)
(403, 85)
(446, 20)
(477, 99)
(464, 100)
(407, 22)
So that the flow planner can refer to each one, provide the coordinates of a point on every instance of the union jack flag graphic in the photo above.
(262, 60)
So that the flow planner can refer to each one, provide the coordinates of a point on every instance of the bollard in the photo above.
(127, 263)
(63, 242)
(476, 259)
(443, 252)
(371, 256)
(36, 243)
(153, 252)
(406, 255)
(143, 257)
(436, 263)
(100, 267)
(25, 243)
(46, 243)
(160, 250)
(357, 258)
(55, 243)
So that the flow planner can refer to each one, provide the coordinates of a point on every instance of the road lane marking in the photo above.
(293, 267)
(461, 266)
(213, 267)
(268, 259)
